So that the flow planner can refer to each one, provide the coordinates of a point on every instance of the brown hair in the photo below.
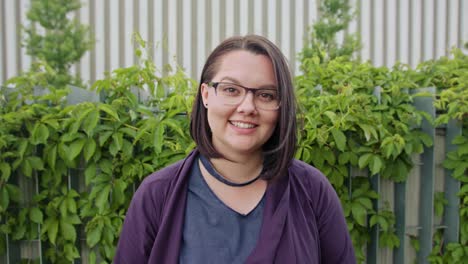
(279, 150)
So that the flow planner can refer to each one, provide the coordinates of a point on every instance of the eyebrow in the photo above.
(235, 81)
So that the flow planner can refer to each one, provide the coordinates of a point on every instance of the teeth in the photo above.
(243, 125)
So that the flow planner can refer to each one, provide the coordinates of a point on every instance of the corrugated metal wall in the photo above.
(185, 31)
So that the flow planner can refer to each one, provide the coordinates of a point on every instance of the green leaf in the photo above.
(5, 170)
(71, 252)
(343, 158)
(340, 138)
(63, 151)
(53, 230)
(118, 196)
(383, 223)
(116, 144)
(89, 148)
(4, 199)
(109, 110)
(75, 148)
(127, 148)
(158, 138)
(102, 198)
(329, 156)
(458, 140)
(93, 236)
(366, 202)
(26, 168)
(92, 256)
(52, 156)
(368, 131)
(63, 209)
(426, 139)
(22, 146)
(364, 160)
(106, 166)
(18, 234)
(462, 150)
(114, 148)
(373, 220)
(14, 192)
(35, 214)
(174, 126)
(90, 173)
(36, 163)
(73, 219)
(3, 245)
(68, 231)
(306, 154)
(40, 134)
(375, 164)
(71, 204)
(359, 213)
(331, 116)
(414, 241)
(103, 137)
(90, 122)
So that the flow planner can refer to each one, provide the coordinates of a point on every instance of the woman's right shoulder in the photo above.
(165, 180)
(165, 174)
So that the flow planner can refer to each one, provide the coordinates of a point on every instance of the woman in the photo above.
(240, 197)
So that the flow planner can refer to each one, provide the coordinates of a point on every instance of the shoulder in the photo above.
(306, 173)
(310, 182)
(161, 182)
(163, 175)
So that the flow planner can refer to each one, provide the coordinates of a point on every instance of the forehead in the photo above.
(249, 68)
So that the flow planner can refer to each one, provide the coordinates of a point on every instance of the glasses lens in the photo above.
(266, 99)
(233, 94)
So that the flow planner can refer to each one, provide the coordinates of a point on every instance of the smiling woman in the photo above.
(239, 197)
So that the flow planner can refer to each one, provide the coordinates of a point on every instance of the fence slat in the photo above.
(400, 221)
(452, 187)
(373, 248)
(426, 209)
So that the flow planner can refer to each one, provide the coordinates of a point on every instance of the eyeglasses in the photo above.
(234, 94)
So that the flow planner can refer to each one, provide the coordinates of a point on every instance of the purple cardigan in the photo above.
(303, 220)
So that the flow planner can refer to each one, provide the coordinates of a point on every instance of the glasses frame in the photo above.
(247, 89)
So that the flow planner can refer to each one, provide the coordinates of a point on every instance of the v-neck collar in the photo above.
(273, 223)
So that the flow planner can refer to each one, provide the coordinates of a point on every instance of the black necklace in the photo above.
(209, 167)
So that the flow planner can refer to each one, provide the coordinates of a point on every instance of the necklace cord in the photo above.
(212, 171)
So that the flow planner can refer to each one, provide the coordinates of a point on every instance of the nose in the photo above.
(247, 106)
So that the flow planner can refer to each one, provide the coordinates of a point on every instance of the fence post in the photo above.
(426, 209)
(452, 187)
(399, 200)
(372, 250)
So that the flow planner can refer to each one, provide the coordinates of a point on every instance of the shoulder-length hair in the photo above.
(279, 150)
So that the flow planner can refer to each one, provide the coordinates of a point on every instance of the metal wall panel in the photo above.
(185, 31)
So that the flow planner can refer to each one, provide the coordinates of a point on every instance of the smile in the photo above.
(242, 125)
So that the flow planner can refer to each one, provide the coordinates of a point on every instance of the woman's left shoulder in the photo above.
(302, 171)
(306, 180)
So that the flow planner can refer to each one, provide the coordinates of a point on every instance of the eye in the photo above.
(267, 96)
(230, 89)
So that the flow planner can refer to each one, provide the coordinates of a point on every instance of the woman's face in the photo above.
(242, 128)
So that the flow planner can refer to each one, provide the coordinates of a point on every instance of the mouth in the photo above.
(242, 124)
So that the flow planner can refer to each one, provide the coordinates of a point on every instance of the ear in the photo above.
(204, 93)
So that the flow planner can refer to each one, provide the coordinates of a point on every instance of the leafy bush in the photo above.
(354, 116)
(102, 148)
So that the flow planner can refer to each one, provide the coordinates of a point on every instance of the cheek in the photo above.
(273, 119)
(217, 116)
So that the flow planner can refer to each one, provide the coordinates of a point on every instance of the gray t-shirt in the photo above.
(213, 232)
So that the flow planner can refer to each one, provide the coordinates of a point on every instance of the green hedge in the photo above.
(104, 149)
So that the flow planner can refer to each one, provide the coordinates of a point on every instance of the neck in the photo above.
(239, 168)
